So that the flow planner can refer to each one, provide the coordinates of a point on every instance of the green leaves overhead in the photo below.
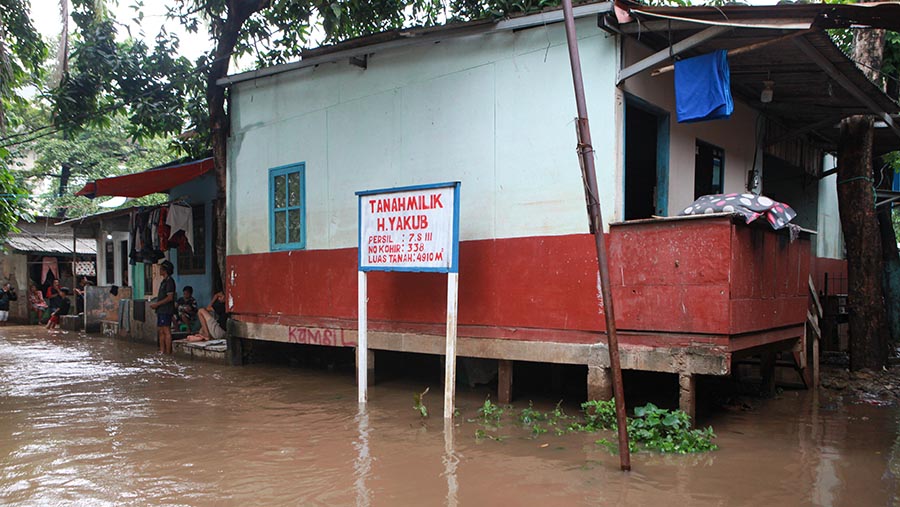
(149, 85)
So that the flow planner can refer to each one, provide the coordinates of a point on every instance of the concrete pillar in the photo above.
(235, 350)
(767, 372)
(370, 365)
(687, 395)
(599, 383)
(504, 381)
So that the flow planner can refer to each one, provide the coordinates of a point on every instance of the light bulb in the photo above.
(768, 92)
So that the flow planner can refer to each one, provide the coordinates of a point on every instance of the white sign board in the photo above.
(409, 228)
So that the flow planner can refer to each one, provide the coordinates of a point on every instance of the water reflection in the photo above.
(94, 421)
(363, 466)
(451, 461)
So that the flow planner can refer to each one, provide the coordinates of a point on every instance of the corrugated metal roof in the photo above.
(50, 244)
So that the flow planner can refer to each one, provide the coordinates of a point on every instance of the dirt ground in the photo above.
(865, 386)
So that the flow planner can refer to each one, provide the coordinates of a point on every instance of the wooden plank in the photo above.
(362, 355)
(450, 356)
(671, 52)
(814, 324)
(815, 297)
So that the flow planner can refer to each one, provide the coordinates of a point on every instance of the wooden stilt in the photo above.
(687, 395)
(504, 381)
(767, 372)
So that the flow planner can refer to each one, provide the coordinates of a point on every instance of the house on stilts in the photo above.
(490, 104)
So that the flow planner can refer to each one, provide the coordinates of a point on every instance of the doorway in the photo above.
(646, 159)
(709, 170)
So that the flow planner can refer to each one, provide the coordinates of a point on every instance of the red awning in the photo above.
(148, 182)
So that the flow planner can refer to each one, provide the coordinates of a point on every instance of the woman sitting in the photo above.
(37, 303)
(212, 320)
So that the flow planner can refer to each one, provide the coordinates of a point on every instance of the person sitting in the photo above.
(6, 295)
(186, 307)
(79, 294)
(64, 306)
(213, 320)
(37, 303)
(54, 296)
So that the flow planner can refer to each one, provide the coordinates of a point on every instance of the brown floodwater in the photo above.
(91, 421)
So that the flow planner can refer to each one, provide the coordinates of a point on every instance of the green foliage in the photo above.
(22, 53)
(418, 404)
(662, 430)
(12, 201)
(490, 413)
(652, 428)
(150, 86)
(598, 415)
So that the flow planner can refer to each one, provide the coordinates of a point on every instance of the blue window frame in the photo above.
(287, 207)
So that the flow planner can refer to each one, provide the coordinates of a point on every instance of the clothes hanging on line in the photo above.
(703, 88)
(180, 217)
(49, 265)
(155, 231)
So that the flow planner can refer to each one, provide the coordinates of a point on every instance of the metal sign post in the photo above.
(410, 229)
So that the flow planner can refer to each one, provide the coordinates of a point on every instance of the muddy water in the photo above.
(93, 421)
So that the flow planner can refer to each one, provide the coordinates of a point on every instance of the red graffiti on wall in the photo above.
(319, 336)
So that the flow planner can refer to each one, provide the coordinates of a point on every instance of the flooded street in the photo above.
(95, 421)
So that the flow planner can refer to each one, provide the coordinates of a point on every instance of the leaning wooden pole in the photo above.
(589, 175)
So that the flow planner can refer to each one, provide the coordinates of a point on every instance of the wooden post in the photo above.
(450, 358)
(767, 372)
(362, 345)
(687, 395)
(504, 381)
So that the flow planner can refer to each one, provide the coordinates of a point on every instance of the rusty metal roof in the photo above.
(51, 243)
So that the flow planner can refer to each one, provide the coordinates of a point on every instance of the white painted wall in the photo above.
(493, 111)
(735, 135)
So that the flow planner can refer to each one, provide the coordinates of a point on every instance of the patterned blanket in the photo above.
(750, 206)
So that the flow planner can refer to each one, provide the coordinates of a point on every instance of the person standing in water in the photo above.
(165, 308)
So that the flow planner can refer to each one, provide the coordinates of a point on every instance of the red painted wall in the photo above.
(707, 276)
(544, 282)
(704, 276)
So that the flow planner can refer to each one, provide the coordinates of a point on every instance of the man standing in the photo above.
(6, 295)
(165, 308)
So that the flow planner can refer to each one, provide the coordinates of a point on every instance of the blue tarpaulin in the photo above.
(703, 88)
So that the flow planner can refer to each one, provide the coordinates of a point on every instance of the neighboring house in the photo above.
(39, 253)
(186, 183)
(490, 104)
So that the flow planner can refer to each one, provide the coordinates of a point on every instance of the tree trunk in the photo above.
(228, 30)
(856, 198)
(65, 173)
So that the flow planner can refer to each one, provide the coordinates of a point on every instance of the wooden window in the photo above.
(287, 207)
(194, 262)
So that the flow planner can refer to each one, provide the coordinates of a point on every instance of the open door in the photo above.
(646, 160)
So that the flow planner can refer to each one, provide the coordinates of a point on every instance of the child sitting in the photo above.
(64, 306)
(186, 307)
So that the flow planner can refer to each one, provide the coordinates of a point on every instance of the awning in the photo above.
(147, 182)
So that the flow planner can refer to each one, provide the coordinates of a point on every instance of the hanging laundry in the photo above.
(181, 218)
(163, 229)
(703, 88)
(49, 265)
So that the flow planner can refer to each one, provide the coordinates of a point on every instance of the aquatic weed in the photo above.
(418, 404)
